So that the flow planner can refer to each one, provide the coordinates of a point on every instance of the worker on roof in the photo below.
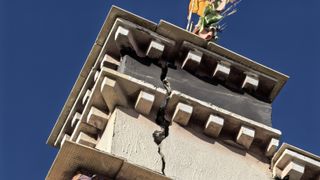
(210, 12)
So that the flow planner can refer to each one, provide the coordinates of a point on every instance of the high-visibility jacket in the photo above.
(198, 6)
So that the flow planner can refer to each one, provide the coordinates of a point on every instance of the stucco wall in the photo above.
(187, 153)
(132, 139)
(191, 155)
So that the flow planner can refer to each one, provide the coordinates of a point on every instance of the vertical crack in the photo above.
(161, 119)
(162, 159)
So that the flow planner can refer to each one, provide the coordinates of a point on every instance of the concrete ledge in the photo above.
(131, 171)
(73, 156)
(272, 147)
(213, 126)
(295, 162)
(182, 114)
(86, 140)
(293, 170)
(144, 102)
(178, 34)
(155, 50)
(192, 60)
(97, 118)
(245, 136)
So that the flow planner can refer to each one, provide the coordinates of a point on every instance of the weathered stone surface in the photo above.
(180, 80)
(131, 138)
(189, 154)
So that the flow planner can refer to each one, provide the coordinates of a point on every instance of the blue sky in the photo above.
(43, 45)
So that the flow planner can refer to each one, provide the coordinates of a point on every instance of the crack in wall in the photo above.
(161, 119)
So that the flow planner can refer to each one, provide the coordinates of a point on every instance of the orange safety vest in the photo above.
(198, 6)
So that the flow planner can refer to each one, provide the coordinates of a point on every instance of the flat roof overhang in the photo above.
(288, 153)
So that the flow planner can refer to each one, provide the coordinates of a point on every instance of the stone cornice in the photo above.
(169, 35)
(295, 163)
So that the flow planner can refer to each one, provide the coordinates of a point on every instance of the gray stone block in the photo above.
(294, 170)
(272, 147)
(124, 39)
(245, 136)
(86, 97)
(86, 140)
(75, 119)
(222, 71)
(192, 60)
(155, 50)
(251, 82)
(97, 118)
(144, 102)
(182, 114)
(64, 139)
(112, 93)
(213, 126)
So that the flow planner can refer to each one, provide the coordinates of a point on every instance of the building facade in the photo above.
(154, 101)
